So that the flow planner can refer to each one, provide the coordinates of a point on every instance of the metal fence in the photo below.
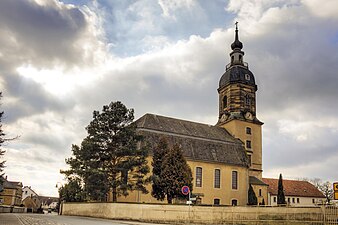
(330, 215)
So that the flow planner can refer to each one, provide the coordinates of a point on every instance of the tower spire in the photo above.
(236, 43)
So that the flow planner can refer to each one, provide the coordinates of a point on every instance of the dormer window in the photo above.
(247, 77)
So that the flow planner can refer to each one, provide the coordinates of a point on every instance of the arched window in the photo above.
(232, 59)
(225, 102)
(240, 58)
(234, 180)
(217, 178)
(198, 176)
(234, 202)
(217, 201)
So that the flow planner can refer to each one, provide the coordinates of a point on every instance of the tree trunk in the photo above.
(169, 199)
(114, 186)
(114, 194)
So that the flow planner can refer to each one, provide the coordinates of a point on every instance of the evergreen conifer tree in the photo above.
(176, 173)
(71, 191)
(90, 172)
(109, 157)
(280, 195)
(252, 196)
(159, 154)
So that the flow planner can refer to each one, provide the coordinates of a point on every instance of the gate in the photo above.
(330, 215)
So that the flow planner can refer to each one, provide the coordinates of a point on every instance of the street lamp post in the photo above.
(58, 186)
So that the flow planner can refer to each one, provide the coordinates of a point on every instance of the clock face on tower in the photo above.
(248, 116)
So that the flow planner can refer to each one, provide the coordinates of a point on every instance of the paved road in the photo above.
(48, 219)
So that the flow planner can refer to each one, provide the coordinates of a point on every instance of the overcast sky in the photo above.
(60, 60)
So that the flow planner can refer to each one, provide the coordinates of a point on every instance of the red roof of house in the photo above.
(293, 188)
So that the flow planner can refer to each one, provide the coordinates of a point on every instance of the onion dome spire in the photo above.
(237, 43)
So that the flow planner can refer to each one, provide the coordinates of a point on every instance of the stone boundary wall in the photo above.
(11, 209)
(183, 214)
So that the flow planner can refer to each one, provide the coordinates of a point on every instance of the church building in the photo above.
(224, 158)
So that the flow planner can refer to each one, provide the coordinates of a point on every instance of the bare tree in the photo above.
(325, 187)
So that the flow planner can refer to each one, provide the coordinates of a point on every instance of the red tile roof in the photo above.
(293, 188)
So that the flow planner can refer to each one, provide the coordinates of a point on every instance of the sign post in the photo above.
(186, 191)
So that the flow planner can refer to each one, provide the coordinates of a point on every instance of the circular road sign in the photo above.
(185, 190)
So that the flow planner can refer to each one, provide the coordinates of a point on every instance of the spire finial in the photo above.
(237, 43)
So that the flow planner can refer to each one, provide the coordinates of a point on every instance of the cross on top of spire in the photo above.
(237, 43)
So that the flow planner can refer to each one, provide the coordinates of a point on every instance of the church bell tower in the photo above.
(237, 106)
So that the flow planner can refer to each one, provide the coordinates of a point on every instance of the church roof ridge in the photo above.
(186, 128)
(168, 117)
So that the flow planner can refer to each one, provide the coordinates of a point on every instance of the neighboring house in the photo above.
(30, 199)
(11, 193)
(224, 158)
(297, 193)
(48, 202)
(32, 203)
(27, 191)
(53, 205)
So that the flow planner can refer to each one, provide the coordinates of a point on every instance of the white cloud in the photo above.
(325, 9)
(169, 7)
(251, 12)
(298, 130)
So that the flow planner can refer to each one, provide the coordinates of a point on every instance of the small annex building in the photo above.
(297, 193)
(225, 158)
